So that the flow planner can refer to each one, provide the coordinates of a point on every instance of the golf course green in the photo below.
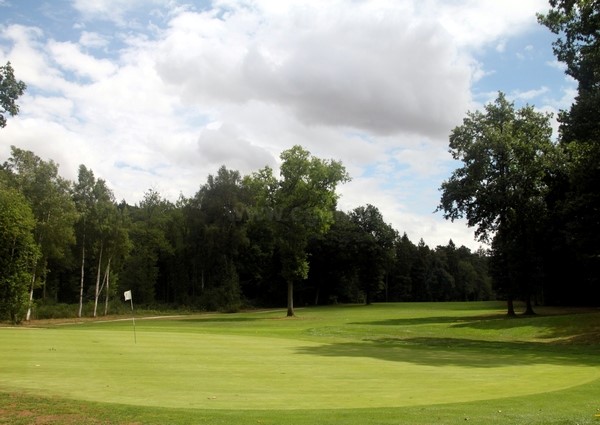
(339, 360)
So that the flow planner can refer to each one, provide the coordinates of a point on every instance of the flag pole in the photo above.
(129, 297)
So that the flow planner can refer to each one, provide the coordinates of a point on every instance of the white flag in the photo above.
(127, 295)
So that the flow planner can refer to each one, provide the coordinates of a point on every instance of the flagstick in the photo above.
(129, 297)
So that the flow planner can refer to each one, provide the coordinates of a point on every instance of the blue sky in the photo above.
(157, 94)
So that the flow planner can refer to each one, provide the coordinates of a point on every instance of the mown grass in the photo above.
(389, 363)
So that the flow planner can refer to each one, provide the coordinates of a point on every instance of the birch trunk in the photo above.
(107, 287)
(28, 317)
(97, 294)
(82, 276)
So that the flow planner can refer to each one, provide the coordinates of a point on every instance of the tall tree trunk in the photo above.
(510, 307)
(107, 287)
(82, 275)
(290, 299)
(28, 317)
(98, 280)
(529, 306)
(33, 277)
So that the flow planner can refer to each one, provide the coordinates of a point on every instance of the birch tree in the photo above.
(49, 197)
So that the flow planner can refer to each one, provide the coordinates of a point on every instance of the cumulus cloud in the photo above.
(217, 147)
(375, 70)
(112, 10)
(377, 85)
(70, 57)
(93, 40)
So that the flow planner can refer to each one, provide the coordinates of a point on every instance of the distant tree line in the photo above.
(239, 241)
(262, 240)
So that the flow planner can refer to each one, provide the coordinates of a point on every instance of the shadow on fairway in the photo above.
(432, 320)
(582, 328)
(456, 351)
(573, 328)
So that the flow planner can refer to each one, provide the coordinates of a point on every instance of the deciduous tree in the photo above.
(50, 199)
(10, 90)
(501, 187)
(575, 230)
(18, 253)
(299, 205)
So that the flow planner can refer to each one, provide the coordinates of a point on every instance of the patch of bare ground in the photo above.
(44, 323)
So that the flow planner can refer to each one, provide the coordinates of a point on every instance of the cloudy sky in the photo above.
(160, 93)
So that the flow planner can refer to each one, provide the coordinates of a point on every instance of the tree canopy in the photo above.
(10, 90)
(501, 188)
(301, 204)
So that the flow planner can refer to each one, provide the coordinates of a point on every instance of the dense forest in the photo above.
(262, 240)
(219, 249)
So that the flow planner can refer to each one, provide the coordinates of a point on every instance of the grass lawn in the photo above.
(443, 363)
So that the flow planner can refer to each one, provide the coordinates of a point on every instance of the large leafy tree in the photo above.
(501, 188)
(577, 23)
(50, 199)
(149, 235)
(10, 90)
(374, 245)
(18, 253)
(298, 206)
(576, 196)
(218, 236)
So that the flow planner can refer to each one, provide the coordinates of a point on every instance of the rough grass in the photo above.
(388, 363)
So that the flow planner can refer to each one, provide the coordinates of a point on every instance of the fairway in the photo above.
(330, 358)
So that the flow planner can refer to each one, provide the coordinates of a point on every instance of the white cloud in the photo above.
(528, 94)
(217, 146)
(69, 57)
(112, 10)
(377, 85)
(93, 40)
(361, 68)
(501, 46)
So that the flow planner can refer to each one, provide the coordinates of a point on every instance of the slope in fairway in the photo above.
(255, 362)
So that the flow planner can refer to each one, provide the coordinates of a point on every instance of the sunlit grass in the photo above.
(353, 362)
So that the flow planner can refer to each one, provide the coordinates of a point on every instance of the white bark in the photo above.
(107, 287)
(98, 280)
(82, 275)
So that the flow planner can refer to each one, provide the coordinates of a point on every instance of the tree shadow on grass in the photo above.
(565, 326)
(430, 320)
(456, 352)
(581, 328)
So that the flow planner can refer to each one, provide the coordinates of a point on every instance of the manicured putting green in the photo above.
(326, 359)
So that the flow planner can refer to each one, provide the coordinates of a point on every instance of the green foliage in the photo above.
(577, 25)
(297, 207)
(10, 90)
(237, 242)
(575, 230)
(508, 158)
(373, 249)
(18, 254)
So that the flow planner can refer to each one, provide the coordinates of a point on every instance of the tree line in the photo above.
(259, 239)
(239, 241)
(536, 200)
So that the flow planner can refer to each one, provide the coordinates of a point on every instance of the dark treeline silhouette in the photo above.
(258, 240)
(218, 250)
